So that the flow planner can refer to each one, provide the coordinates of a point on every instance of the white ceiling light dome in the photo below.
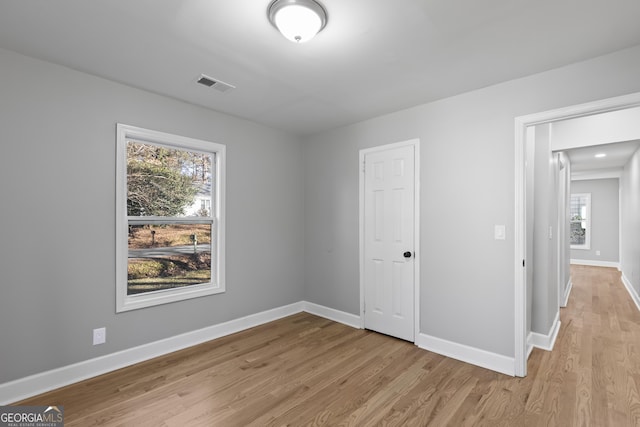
(297, 20)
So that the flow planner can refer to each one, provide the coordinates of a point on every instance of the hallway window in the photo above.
(169, 219)
(580, 221)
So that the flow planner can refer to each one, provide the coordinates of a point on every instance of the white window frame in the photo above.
(587, 227)
(126, 302)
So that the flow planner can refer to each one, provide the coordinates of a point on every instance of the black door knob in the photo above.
(407, 254)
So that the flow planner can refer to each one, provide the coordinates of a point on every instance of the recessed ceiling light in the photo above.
(600, 155)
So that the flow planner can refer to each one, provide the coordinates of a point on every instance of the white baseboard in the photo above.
(632, 292)
(332, 314)
(475, 356)
(546, 342)
(33, 385)
(567, 292)
(529, 345)
(23, 388)
(596, 263)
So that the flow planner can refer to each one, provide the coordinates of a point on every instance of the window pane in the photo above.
(167, 182)
(578, 234)
(167, 256)
(578, 213)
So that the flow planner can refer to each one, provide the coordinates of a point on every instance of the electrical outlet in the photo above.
(99, 336)
(598, 253)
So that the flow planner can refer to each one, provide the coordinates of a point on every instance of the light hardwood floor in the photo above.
(305, 370)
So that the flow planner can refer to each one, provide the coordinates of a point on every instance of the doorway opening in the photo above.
(522, 126)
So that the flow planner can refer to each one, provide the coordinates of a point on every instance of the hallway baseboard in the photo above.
(593, 263)
(546, 342)
(632, 292)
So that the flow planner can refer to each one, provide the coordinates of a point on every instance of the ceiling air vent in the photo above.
(216, 84)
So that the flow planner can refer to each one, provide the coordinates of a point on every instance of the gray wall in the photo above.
(545, 303)
(548, 182)
(604, 219)
(57, 231)
(292, 211)
(467, 176)
(630, 218)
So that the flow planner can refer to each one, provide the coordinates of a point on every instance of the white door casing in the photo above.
(388, 239)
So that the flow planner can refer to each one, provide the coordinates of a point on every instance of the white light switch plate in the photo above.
(499, 232)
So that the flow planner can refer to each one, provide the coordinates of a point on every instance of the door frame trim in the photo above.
(521, 124)
(415, 143)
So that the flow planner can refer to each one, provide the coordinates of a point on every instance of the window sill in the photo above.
(134, 302)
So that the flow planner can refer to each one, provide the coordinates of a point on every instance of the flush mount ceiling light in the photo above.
(297, 20)
(600, 155)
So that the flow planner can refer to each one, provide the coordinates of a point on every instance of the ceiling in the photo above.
(373, 57)
(616, 134)
(617, 155)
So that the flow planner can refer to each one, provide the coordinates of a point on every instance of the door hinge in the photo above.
(523, 263)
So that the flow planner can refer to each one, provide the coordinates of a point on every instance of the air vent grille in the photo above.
(204, 80)
(216, 84)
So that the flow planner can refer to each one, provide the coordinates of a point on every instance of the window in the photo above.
(169, 219)
(580, 221)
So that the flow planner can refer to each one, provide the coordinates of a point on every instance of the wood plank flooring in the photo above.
(305, 370)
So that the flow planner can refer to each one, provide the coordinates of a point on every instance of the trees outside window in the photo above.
(170, 218)
(580, 221)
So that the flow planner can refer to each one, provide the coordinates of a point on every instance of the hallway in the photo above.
(592, 377)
